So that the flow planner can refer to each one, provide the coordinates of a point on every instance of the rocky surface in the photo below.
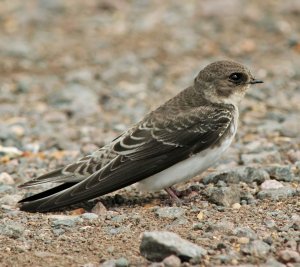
(75, 74)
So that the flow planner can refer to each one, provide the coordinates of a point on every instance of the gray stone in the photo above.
(122, 262)
(224, 196)
(275, 194)
(280, 173)
(5, 178)
(74, 98)
(172, 261)
(266, 157)
(4, 188)
(109, 263)
(12, 229)
(245, 232)
(119, 218)
(58, 231)
(170, 212)
(89, 216)
(289, 255)
(223, 226)
(69, 222)
(156, 246)
(241, 174)
(271, 262)
(271, 184)
(289, 127)
(256, 248)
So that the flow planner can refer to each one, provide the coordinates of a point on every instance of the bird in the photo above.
(171, 144)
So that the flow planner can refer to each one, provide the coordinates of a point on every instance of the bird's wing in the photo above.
(77, 171)
(150, 147)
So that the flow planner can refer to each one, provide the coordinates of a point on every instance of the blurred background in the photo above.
(74, 74)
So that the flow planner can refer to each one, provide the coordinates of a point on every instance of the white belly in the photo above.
(186, 169)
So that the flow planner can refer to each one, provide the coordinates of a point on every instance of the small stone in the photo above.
(241, 174)
(58, 231)
(156, 246)
(271, 184)
(245, 232)
(200, 216)
(236, 206)
(172, 261)
(266, 157)
(89, 216)
(224, 196)
(281, 173)
(109, 263)
(99, 209)
(170, 212)
(12, 229)
(5, 178)
(275, 194)
(243, 240)
(68, 221)
(119, 218)
(271, 262)
(198, 226)
(270, 224)
(10, 152)
(289, 255)
(223, 226)
(122, 262)
(6, 188)
(256, 248)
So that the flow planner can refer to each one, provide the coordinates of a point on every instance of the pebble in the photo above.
(69, 222)
(270, 224)
(266, 157)
(170, 212)
(271, 184)
(172, 261)
(122, 262)
(241, 174)
(271, 262)
(119, 218)
(5, 178)
(223, 226)
(256, 248)
(200, 216)
(10, 152)
(157, 245)
(89, 216)
(289, 127)
(243, 240)
(6, 188)
(288, 255)
(276, 194)
(99, 209)
(224, 196)
(108, 263)
(12, 229)
(245, 232)
(280, 173)
(236, 206)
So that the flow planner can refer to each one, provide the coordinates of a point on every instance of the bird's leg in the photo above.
(173, 193)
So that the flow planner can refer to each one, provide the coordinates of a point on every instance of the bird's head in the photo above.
(224, 82)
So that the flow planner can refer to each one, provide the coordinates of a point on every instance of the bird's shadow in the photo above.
(121, 200)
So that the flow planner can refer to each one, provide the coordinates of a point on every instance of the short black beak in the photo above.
(254, 81)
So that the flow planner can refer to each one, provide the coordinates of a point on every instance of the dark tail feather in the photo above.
(47, 193)
(55, 176)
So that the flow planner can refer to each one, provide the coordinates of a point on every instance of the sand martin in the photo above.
(173, 143)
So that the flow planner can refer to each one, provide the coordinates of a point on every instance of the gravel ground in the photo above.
(74, 74)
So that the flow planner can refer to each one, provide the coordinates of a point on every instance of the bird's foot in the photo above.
(176, 196)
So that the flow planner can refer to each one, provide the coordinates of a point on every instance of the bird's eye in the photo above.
(236, 77)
